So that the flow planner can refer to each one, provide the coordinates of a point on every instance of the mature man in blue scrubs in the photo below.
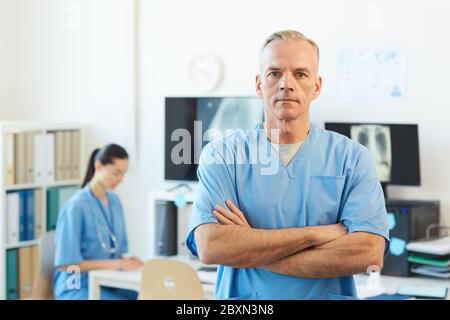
(308, 213)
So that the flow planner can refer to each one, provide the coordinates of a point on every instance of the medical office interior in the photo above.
(76, 75)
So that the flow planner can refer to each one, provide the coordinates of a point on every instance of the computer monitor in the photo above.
(394, 147)
(191, 122)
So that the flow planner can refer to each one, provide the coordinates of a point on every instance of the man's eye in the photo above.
(301, 75)
(274, 74)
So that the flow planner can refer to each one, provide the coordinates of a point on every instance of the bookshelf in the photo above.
(41, 166)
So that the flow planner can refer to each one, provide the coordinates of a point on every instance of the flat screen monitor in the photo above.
(394, 148)
(191, 122)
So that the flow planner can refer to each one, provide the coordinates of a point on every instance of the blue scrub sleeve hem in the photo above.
(190, 240)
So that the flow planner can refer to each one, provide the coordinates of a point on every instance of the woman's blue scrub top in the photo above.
(77, 239)
(331, 179)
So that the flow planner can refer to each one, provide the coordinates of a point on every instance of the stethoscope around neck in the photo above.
(99, 221)
(115, 244)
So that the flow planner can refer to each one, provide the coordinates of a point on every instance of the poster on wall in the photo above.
(371, 73)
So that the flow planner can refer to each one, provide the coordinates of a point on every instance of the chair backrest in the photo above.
(42, 288)
(167, 279)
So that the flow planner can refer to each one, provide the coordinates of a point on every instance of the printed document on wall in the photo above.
(371, 73)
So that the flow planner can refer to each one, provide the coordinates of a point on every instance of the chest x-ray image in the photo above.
(377, 138)
(228, 114)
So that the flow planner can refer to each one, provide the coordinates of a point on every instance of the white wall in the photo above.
(86, 75)
(7, 60)
(173, 30)
(75, 74)
(60, 70)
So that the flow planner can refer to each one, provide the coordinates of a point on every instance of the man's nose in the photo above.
(286, 83)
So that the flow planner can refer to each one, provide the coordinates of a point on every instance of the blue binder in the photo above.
(29, 214)
(11, 275)
(23, 216)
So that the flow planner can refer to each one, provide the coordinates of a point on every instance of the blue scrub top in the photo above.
(77, 239)
(331, 179)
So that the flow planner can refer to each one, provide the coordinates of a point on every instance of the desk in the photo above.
(126, 280)
(112, 278)
(132, 280)
(391, 284)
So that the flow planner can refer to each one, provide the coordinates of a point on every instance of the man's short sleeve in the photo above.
(363, 208)
(216, 184)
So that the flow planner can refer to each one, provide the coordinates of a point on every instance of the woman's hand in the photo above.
(137, 260)
(126, 263)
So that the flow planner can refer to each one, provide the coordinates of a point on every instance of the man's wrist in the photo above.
(312, 236)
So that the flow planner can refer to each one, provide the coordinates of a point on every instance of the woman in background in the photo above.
(90, 232)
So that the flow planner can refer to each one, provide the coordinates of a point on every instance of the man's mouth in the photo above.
(286, 100)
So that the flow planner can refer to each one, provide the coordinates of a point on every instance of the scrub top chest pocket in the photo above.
(325, 193)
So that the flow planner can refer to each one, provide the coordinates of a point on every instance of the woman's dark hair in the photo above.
(105, 155)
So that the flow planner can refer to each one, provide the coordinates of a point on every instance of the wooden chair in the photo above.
(42, 287)
(167, 279)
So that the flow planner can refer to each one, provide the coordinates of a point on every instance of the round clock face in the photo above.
(205, 71)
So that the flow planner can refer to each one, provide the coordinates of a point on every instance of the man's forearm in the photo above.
(243, 247)
(347, 255)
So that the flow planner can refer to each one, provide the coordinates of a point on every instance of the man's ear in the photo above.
(317, 87)
(258, 85)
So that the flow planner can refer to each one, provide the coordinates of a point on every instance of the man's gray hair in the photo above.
(290, 35)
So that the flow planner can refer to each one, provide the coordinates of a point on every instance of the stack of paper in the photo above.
(438, 272)
(431, 261)
(440, 246)
(430, 257)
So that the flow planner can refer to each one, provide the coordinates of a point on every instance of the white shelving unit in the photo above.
(183, 214)
(7, 128)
